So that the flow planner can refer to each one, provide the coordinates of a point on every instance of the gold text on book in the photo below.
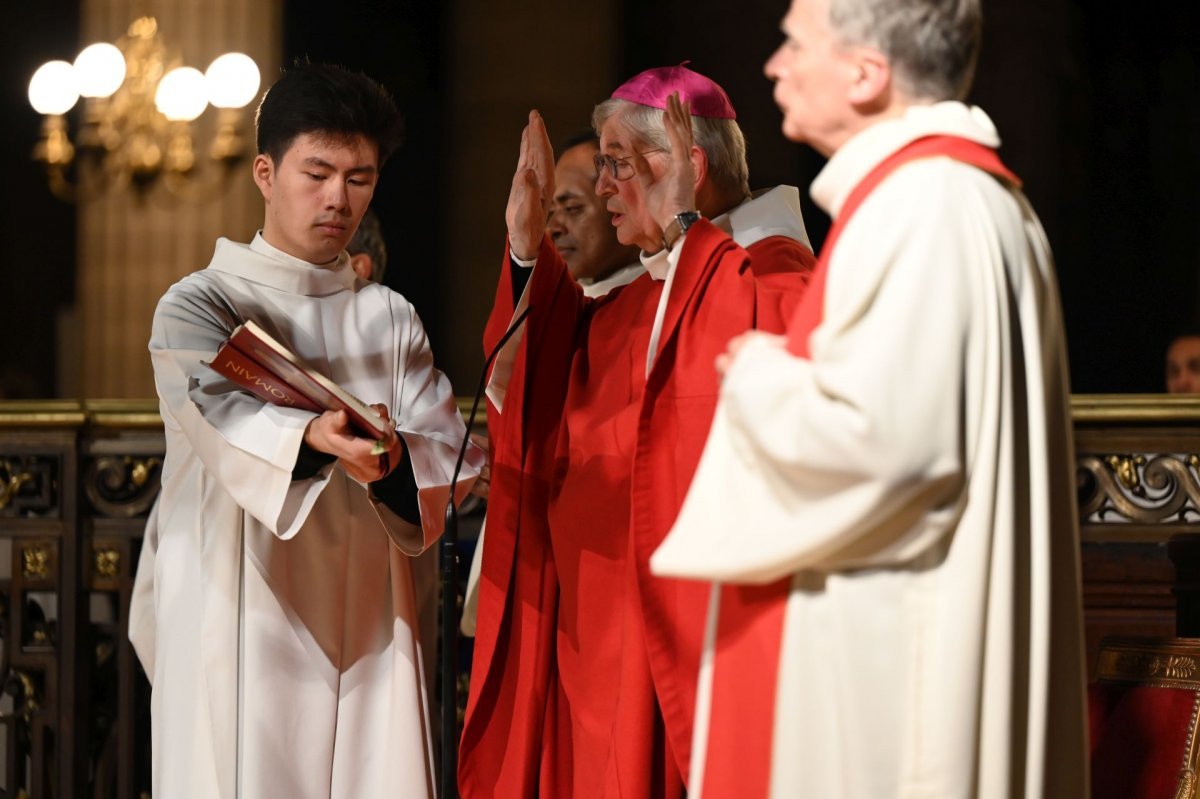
(273, 390)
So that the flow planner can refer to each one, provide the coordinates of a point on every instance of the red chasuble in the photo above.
(586, 665)
(750, 627)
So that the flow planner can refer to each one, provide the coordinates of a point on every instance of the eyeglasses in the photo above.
(618, 168)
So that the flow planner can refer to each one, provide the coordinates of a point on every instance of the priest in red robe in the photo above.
(586, 665)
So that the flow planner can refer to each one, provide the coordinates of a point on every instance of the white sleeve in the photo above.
(246, 445)
(428, 420)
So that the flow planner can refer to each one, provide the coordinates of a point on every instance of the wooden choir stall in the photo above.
(77, 480)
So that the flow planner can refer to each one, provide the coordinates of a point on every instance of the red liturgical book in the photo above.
(273, 373)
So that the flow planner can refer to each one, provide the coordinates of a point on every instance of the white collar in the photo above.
(620, 277)
(658, 264)
(773, 212)
(858, 156)
(260, 262)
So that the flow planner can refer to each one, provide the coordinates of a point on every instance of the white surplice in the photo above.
(277, 618)
(915, 479)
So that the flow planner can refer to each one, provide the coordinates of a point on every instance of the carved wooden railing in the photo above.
(1139, 466)
(1138, 461)
(77, 479)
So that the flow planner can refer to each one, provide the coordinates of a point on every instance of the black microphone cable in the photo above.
(449, 558)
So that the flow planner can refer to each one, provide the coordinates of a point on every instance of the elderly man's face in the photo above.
(625, 199)
(1183, 365)
(579, 224)
(813, 73)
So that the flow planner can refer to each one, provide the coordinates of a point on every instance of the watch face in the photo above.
(687, 219)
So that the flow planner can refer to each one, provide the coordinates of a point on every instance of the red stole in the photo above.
(750, 624)
(808, 315)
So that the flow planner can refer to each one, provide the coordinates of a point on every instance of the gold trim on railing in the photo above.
(1135, 408)
(136, 413)
(1165, 662)
(35, 561)
(10, 485)
(25, 701)
(41, 413)
(1126, 469)
(1156, 489)
(1187, 773)
(107, 563)
(142, 413)
(1085, 409)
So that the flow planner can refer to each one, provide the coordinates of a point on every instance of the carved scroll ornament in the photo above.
(1160, 488)
(122, 486)
(11, 480)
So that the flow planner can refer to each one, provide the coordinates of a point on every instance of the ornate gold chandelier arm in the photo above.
(199, 189)
(141, 135)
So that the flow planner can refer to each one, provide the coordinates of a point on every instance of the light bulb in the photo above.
(100, 70)
(52, 89)
(180, 95)
(232, 80)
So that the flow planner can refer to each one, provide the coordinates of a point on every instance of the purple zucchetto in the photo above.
(654, 86)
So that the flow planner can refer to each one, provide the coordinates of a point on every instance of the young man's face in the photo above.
(578, 223)
(317, 194)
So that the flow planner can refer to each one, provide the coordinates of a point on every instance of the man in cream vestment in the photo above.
(274, 609)
(885, 503)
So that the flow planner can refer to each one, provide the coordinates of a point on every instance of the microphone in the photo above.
(449, 574)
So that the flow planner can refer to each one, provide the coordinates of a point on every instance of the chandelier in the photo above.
(139, 106)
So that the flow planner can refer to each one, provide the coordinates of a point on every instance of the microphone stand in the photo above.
(449, 557)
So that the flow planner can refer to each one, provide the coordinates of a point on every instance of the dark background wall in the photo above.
(1130, 241)
(400, 45)
(1099, 109)
(38, 232)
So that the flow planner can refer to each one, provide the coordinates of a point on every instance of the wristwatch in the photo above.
(677, 227)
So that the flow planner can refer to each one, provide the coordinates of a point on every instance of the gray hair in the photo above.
(720, 139)
(369, 239)
(932, 45)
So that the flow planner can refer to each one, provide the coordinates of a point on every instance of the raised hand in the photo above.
(675, 191)
(532, 190)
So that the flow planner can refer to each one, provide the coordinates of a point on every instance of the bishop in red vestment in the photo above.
(585, 667)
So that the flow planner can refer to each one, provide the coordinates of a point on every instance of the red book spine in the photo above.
(232, 364)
